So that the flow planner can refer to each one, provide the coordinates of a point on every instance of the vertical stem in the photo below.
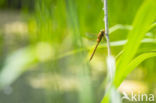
(106, 26)
(110, 64)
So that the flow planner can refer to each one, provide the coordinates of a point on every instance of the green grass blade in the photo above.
(15, 65)
(144, 18)
(133, 64)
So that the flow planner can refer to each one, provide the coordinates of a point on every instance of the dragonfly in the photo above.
(99, 38)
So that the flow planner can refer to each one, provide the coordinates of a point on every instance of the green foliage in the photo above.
(144, 18)
(62, 35)
(128, 60)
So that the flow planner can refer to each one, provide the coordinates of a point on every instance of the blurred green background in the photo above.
(45, 47)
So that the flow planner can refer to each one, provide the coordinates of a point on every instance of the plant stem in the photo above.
(106, 26)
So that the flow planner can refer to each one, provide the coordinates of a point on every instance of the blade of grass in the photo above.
(113, 44)
(15, 65)
(144, 18)
(133, 64)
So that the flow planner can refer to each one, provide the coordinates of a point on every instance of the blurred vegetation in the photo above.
(45, 47)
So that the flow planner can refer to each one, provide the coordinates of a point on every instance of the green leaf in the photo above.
(21, 60)
(144, 18)
(132, 65)
(15, 65)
